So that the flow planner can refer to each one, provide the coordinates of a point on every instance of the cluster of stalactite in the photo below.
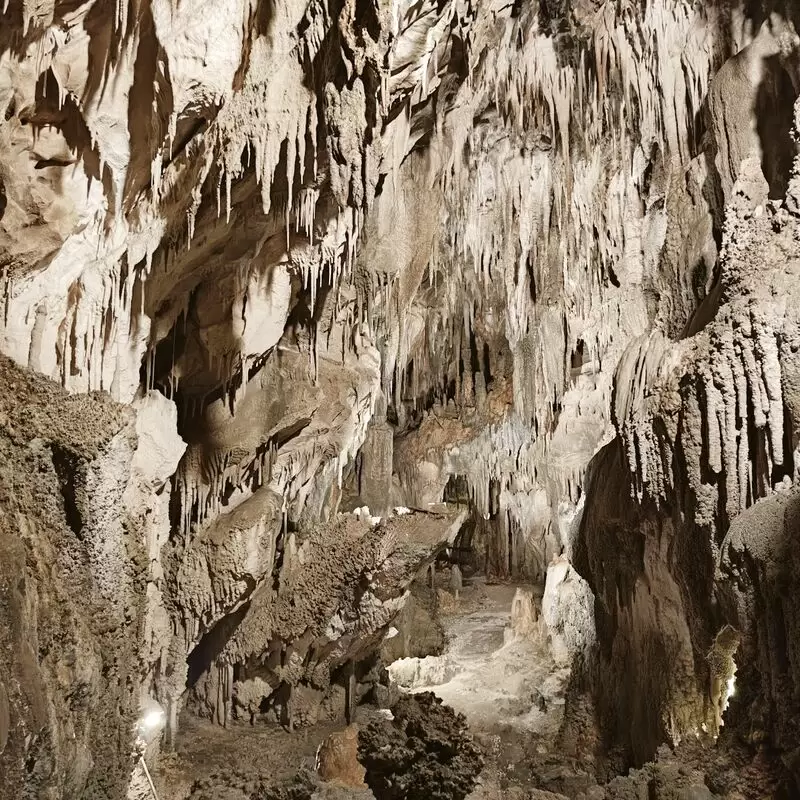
(442, 203)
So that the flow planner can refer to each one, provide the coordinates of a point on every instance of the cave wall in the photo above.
(705, 462)
(72, 591)
(758, 594)
(651, 575)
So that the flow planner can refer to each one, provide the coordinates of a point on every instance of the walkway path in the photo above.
(496, 679)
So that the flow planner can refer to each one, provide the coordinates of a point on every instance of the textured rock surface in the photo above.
(337, 759)
(424, 751)
(537, 258)
(339, 590)
(72, 591)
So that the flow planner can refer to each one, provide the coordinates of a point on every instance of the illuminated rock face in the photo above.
(344, 254)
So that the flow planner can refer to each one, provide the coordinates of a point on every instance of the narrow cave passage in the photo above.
(496, 666)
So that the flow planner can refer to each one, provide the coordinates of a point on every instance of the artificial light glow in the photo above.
(151, 722)
(152, 719)
(731, 686)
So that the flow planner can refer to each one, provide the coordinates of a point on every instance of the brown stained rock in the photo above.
(5, 717)
(513, 793)
(32, 408)
(424, 753)
(71, 592)
(445, 601)
(337, 759)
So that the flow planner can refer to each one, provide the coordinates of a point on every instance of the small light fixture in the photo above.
(151, 722)
(149, 726)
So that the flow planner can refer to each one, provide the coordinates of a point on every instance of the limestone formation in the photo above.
(300, 296)
(72, 589)
(337, 759)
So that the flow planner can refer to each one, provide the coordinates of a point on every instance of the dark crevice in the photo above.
(43, 163)
(67, 467)
(213, 641)
(774, 122)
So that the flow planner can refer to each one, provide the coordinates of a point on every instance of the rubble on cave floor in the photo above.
(211, 758)
(425, 752)
(496, 668)
(501, 678)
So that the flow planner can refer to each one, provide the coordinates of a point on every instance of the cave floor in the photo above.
(498, 685)
(205, 750)
(508, 687)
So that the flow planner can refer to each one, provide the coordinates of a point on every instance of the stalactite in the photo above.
(491, 211)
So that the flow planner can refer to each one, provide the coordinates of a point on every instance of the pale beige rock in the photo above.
(337, 759)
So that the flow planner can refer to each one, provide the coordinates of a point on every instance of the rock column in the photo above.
(375, 479)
